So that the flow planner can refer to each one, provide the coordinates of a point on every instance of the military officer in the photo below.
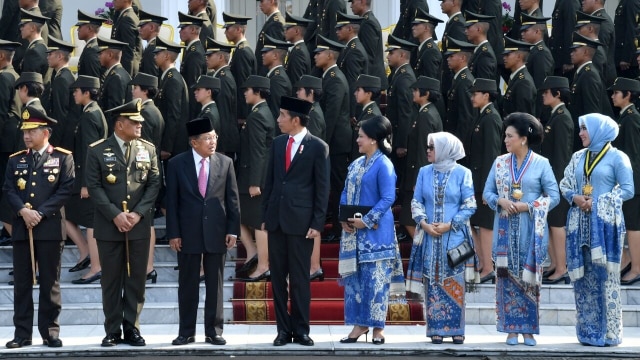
(310, 88)
(145, 88)
(353, 58)
(198, 8)
(35, 49)
(298, 60)
(149, 28)
(218, 55)
(31, 7)
(458, 102)
(207, 89)
(327, 17)
(273, 54)
(606, 35)
(563, 20)
(483, 62)
(626, 21)
(193, 60)
(370, 35)
(172, 100)
(37, 184)
(491, 8)
(589, 26)
(273, 26)
(454, 29)
(428, 59)
(88, 28)
(367, 92)
(408, 10)
(540, 61)
(243, 63)
(57, 97)
(521, 91)
(29, 88)
(115, 89)
(123, 168)
(125, 29)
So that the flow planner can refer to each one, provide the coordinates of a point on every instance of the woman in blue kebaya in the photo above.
(596, 182)
(370, 265)
(442, 204)
(521, 189)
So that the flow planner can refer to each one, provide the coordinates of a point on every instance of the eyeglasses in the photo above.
(209, 138)
(431, 148)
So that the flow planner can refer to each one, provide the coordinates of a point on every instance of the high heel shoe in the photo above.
(630, 282)
(512, 340)
(565, 278)
(83, 264)
(377, 341)
(249, 264)
(264, 276)
(625, 270)
(317, 275)
(89, 280)
(436, 339)
(489, 277)
(153, 276)
(530, 341)
(350, 340)
(548, 272)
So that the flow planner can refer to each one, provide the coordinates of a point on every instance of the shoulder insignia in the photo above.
(429, 45)
(192, 48)
(222, 73)
(298, 47)
(426, 109)
(370, 111)
(521, 76)
(463, 76)
(18, 153)
(333, 74)
(485, 48)
(353, 45)
(145, 142)
(276, 18)
(540, 47)
(478, 128)
(241, 46)
(629, 111)
(96, 143)
(63, 150)
(488, 111)
(403, 70)
(560, 111)
(255, 110)
(456, 18)
(277, 72)
(170, 75)
(113, 72)
(587, 68)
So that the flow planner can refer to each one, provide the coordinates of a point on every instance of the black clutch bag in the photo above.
(350, 211)
(460, 253)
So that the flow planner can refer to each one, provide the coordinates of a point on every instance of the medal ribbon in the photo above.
(588, 165)
(516, 175)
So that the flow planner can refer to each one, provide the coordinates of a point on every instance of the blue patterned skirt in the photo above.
(366, 294)
(445, 306)
(517, 306)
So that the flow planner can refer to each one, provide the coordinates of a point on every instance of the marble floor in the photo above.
(257, 340)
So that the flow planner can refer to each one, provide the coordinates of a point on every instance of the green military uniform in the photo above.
(368, 111)
(400, 107)
(353, 62)
(563, 21)
(227, 108)
(37, 60)
(112, 179)
(370, 36)
(454, 29)
(459, 107)
(125, 29)
(115, 90)
(274, 27)
(242, 65)
(408, 10)
(520, 95)
(89, 62)
(626, 21)
(317, 126)
(298, 61)
(148, 62)
(193, 61)
(492, 8)
(540, 65)
(280, 86)
(311, 13)
(210, 109)
(483, 62)
(327, 17)
(207, 30)
(58, 101)
(153, 125)
(173, 103)
(606, 37)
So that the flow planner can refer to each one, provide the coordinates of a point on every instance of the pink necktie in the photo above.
(202, 177)
(287, 155)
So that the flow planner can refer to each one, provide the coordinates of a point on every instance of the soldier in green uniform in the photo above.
(88, 28)
(483, 63)
(207, 89)
(193, 60)
(428, 60)
(123, 168)
(563, 20)
(310, 88)
(558, 148)
(35, 49)
(458, 101)
(91, 127)
(521, 91)
(606, 35)
(426, 92)
(218, 55)
(298, 60)
(198, 8)
(454, 29)
(30, 7)
(408, 10)
(353, 58)
(243, 62)
(37, 184)
(370, 35)
(57, 97)
(327, 17)
(273, 54)
(494, 9)
(624, 92)
(125, 29)
(172, 100)
(482, 146)
(115, 89)
(589, 26)
(367, 91)
(149, 28)
(540, 61)
(273, 26)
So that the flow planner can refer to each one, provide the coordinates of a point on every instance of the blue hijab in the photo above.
(601, 128)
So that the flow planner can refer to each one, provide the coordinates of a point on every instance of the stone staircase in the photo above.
(81, 304)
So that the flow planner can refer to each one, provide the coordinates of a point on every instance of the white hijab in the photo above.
(448, 150)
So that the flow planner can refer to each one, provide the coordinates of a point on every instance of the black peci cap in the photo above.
(199, 126)
(294, 104)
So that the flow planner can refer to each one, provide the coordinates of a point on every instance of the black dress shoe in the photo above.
(282, 339)
(317, 275)
(11, 272)
(153, 276)
(249, 264)
(303, 339)
(81, 265)
(52, 341)
(18, 342)
(133, 338)
(264, 276)
(111, 339)
(183, 340)
(215, 340)
(89, 280)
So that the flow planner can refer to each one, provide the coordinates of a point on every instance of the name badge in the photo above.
(143, 155)
(52, 162)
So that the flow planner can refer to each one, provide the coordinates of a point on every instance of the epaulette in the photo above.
(241, 45)
(97, 142)
(353, 45)
(192, 48)
(587, 68)
(540, 47)
(485, 48)
(429, 45)
(333, 74)
(560, 111)
(18, 153)
(62, 150)
(456, 18)
(521, 76)
(145, 142)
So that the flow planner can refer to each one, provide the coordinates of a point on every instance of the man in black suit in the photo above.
(123, 168)
(371, 37)
(273, 26)
(294, 209)
(125, 29)
(353, 58)
(34, 47)
(203, 222)
(88, 28)
(273, 54)
(115, 85)
(37, 184)
(298, 60)
(149, 28)
(218, 55)
(193, 61)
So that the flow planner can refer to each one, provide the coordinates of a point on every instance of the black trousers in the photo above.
(338, 175)
(189, 292)
(123, 295)
(290, 255)
(47, 256)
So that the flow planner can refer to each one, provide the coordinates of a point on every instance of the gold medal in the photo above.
(111, 179)
(22, 184)
(587, 189)
(516, 193)
(55, 170)
(51, 178)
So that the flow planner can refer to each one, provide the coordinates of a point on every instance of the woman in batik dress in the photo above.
(369, 264)
(521, 189)
(596, 182)
(443, 202)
